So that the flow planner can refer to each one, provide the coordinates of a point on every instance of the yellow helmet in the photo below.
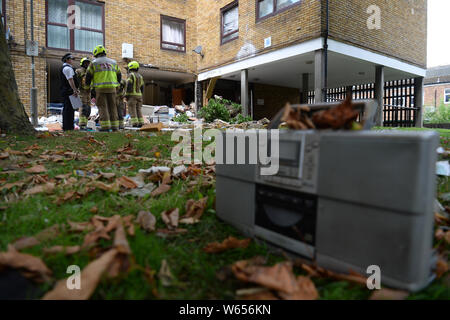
(84, 60)
(133, 65)
(98, 50)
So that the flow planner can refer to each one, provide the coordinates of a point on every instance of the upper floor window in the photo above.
(267, 8)
(173, 34)
(230, 22)
(83, 37)
(447, 96)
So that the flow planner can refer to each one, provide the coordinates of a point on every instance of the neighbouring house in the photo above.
(437, 87)
(261, 53)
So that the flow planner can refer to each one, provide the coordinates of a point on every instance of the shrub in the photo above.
(441, 115)
(215, 109)
(182, 117)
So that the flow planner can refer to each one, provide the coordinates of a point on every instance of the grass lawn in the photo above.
(194, 271)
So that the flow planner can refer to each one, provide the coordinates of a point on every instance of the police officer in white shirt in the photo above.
(69, 86)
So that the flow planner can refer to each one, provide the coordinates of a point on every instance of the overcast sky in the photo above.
(438, 27)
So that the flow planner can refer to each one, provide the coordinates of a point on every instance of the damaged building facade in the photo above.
(260, 53)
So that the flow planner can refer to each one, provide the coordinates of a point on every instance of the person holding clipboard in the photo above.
(69, 91)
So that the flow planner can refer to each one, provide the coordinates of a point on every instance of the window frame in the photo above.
(72, 32)
(223, 10)
(161, 42)
(275, 11)
(446, 94)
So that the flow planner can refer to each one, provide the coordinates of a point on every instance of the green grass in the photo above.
(194, 271)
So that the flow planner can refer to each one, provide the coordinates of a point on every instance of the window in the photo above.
(83, 39)
(267, 8)
(173, 34)
(447, 96)
(230, 22)
(3, 13)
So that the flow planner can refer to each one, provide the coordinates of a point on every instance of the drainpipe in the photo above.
(34, 110)
(325, 47)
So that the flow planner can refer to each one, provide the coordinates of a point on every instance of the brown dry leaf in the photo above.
(25, 242)
(114, 187)
(447, 237)
(146, 220)
(389, 294)
(279, 277)
(107, 175)
(120, 240)
(195, 209)
(31, 267)
(354, 277)
(121, 261)
(439, 234)
(58, 249)
(80, 226)
(164, 274)
(36, 169)
(306, 290)
(4, 155)
(127, 183)
(229, 243)
(167, 178)
(441, 267)
(90, 278)
(163, 188)
(48, 188)
(12, 185)
(170, 218)
(262, 295)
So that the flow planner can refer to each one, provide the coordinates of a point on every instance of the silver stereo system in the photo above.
(346, 200)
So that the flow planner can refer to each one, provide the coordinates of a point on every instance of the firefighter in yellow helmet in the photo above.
(120, 103)
(105, 75)
(85, 93)
(135, 88)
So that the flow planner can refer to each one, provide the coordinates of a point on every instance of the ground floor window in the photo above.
(173, 34)
(447, 96)
(66, 30)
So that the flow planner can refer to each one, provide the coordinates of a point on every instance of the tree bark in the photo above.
(13, 118)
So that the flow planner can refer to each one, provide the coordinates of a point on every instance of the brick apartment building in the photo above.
(437, 87)
(264, 52)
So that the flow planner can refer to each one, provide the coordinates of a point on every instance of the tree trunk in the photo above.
(13, 118)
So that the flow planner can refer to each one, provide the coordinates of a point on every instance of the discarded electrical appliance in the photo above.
(345, 199)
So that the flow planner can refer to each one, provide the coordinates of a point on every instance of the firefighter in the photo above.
(135, 87)
(85, 93)
(105, 75)
(120, 94)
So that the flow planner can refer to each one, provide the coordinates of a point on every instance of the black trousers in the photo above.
(68, 114)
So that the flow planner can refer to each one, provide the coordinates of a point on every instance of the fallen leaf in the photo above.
(114, 187)
(127, 183)
(229, 243)
(107, 175)
(164, 233)
(12, 185)
(306, 290)
(36, 169)
(47, 188)
(4, 155)
(90, 278)
(80, 226)
(441, 267)
(163, 188)
(195, 209)
(279, 277)
(146, 220)
(164, 274)
(354, 277)
(263, 295)
(389, 294)
(31, 267)
(25, 242)
(61, 249)
(170, 218)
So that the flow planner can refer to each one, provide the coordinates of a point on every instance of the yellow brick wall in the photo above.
(299, 23)
(403, 27)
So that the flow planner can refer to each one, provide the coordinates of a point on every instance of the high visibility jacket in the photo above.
(120, 90)
(81, 72)
(104, 72)
(134, 83)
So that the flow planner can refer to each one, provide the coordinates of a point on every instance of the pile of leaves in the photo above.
(343, 116)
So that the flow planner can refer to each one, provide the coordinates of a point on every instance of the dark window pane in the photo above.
(265, 8)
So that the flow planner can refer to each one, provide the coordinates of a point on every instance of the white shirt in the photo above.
(68, 72)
